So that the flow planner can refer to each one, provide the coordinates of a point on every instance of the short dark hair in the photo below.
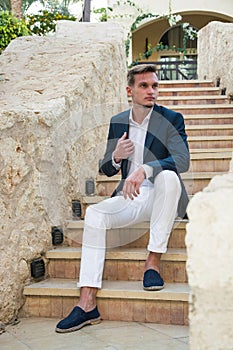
(138, 69)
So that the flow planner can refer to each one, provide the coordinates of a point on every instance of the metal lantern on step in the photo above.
(76, 209)
(100, 171)
(57, 235)
(37, 268)
(90, 187)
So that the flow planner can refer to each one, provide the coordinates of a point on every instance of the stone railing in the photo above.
(209, 243)
(215, 54)
(57, 96)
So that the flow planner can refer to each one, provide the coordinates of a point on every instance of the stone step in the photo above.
(195, 180)
(219, 109)
(214, 141)
(192, 100)
(210, 150)
(203, 120)
(123, 264)
(185, 83)
(210, 162)
(117, 301)
(134, 236)
(209, 130)
(189, 91)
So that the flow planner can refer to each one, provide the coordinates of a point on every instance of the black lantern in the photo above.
(100, 171)
(57, 235)
(90, 187)
(76, 209)
(37, 268)
(223, 91)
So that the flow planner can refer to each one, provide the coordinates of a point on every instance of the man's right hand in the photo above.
(124, 148)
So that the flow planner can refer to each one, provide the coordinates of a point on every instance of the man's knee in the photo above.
(168, 180)
(95, 218)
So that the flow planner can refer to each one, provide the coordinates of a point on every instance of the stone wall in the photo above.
(215, 54)
(57, 95)
(210, 265)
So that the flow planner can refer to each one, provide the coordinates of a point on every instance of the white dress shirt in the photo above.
(137, 134)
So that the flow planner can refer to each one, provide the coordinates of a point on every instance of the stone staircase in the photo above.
(209, 125)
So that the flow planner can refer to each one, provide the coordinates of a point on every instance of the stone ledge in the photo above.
(206, 106)
(211, 126)
(117, 254)
(210, 138)
(79, 224)
(111, 289)
(203, 97)
(189, 89)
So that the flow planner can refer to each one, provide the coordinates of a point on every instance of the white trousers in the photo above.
(157, 204)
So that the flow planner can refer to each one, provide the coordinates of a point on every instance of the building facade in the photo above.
(160, 38)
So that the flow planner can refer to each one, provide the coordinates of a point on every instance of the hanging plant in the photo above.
(173, 19)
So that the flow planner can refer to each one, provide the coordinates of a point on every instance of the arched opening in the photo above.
(175, 36)
(156, 31)
(178, 64)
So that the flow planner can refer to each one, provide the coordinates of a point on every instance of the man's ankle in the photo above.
(153, 261)
(87, 300)
(86, 306)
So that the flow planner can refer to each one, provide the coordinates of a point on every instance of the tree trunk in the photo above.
(16, 7)
(86, 11)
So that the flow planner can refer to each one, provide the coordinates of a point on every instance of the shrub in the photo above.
(45, 22)
(11, 28)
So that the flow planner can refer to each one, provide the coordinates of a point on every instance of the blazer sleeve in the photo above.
(177, 155)
(106, 165)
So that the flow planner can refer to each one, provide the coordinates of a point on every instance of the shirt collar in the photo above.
(146, 120)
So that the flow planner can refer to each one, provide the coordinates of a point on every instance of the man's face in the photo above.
(145, 89)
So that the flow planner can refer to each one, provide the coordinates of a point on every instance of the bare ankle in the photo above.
(153, 261)
(87, 300)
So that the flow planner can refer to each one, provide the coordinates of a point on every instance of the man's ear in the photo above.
(129, 91)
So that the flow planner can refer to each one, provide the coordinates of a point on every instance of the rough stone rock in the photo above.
(57, 95)
(215, 54)
(209, 243)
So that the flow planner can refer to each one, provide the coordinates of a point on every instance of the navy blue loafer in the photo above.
(152, 280)
(77, 319)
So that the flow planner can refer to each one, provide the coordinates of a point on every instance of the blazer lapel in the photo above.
(153, 128)
(123, 126)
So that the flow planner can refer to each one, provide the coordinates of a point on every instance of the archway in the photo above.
(155, 31)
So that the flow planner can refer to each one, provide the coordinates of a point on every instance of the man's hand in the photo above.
(124, 148)
(132, 184)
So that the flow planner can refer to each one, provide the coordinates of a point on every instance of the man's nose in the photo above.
(150, 90)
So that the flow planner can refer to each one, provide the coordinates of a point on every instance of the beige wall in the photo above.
(58, 94)
(162, 7)
(198, 13)
(154, 31)
(215, 59)
(209, 243)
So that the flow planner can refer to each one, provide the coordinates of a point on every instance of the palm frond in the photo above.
(5, 5)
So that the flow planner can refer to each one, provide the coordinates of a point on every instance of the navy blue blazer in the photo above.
(165, 148)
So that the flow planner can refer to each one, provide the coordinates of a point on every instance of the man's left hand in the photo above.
(132, 184)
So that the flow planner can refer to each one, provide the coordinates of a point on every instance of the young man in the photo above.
(148, 144)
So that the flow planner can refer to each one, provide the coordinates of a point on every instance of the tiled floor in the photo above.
(39, 334)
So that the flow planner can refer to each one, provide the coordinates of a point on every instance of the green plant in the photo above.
(134, 26)
(189, 33)
(103, 12)
(5, 5)
(45, 22)
(11, 28)
(173, 19)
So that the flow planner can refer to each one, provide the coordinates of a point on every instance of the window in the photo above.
(174, 36)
